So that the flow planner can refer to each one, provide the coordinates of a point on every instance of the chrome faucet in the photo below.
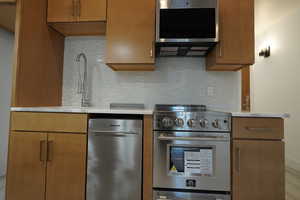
(82, 84)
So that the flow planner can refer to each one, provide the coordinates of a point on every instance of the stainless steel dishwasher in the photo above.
(114, 168)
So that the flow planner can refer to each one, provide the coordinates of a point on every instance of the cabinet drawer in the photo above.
(49, 122)
(257, 128)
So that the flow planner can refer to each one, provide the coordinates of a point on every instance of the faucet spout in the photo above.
(83, 83)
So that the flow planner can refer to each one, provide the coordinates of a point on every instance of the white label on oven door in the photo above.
(199, 162)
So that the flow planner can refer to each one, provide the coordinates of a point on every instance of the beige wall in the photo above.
(276, 80)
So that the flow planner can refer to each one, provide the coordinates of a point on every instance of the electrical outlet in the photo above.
(210, 91)
(202, 92)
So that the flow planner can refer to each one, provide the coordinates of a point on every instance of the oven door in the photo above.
(192, 160)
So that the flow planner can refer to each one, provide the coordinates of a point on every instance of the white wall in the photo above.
(6, 50)
(276, 80)
(176, 80)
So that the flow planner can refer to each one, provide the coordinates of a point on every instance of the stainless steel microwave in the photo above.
(187, 21)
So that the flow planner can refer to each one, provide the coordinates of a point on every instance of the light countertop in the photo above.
(257, 114)
(97, 110)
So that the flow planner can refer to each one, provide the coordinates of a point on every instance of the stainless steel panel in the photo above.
(171, 195)
(198, 137)
(175, 4)
(110, 125)
(219, 181)
(114, 159)
(224, 118)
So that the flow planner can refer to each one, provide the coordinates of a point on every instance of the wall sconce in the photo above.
(265, 52)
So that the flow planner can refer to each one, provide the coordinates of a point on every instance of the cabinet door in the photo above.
(92, 10)
(258, 170)
(236, 37)
(66, 167)
(26, 166)
(130, 32)
(62, 10)
(236, 44)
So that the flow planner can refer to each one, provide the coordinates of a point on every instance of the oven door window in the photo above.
(190, 161)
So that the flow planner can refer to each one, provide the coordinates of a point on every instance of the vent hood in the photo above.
(186, 27)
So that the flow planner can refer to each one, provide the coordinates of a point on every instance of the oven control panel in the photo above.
(192, 121)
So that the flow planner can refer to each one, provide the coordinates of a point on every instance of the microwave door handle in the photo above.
(172, 138)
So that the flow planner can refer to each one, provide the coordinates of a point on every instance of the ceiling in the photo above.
(269, 11)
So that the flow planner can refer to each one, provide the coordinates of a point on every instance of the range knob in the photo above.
(216, 124)
(203, 123)
(191, 123)
(167, 122)
(179, 122)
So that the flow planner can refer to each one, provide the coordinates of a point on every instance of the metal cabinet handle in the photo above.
(238, 159)
(220, 49)
(50, 151)
(152, 49)
(43, 152)
(258, 129)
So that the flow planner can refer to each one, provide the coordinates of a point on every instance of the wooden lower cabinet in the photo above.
(46, 166)
(26, 171)
(258, 170)
(66, 167)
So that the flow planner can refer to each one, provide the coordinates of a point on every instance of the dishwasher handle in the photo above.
(113, 133)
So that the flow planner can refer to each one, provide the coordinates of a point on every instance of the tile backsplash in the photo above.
(175, 81)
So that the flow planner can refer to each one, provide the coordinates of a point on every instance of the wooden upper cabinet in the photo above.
(76, 10)
(130, 34)
(92, 10)
(258, 170)
(77, 17)
(236, 34)
(37, 71)
(61, 11)
(26, 174)
(7, 15)
(8, 1)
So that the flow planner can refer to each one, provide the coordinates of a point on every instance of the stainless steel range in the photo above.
(191, 150)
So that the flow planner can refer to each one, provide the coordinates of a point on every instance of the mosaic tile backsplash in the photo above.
(175, 81)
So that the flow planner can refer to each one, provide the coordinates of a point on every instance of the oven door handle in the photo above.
(206, 138)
